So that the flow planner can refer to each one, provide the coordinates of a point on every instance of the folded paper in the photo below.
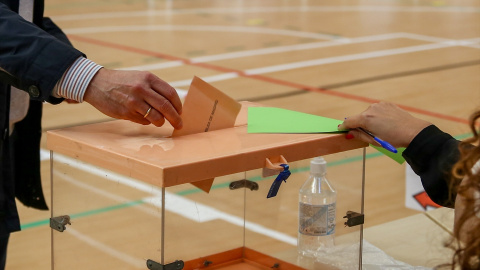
(205, 109)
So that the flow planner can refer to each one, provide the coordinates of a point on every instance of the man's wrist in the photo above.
(76, 79)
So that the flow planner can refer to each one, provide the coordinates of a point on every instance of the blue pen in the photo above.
(384, 144)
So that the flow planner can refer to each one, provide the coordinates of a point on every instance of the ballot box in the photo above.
(127, 196)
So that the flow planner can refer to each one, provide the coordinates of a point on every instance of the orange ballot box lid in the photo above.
(152, 155)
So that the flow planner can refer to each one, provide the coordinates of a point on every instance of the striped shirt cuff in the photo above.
(76, 79)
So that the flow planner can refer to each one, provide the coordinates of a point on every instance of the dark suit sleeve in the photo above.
(33, 59)
(50, 27)
(432, 154)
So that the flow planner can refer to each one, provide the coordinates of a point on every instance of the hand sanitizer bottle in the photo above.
(316, 210)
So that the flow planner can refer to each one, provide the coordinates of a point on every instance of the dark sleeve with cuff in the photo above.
(432, 154)
(30, 58)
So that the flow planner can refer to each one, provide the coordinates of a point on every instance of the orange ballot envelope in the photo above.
(205, 109)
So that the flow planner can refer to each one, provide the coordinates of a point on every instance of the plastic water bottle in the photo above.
(316, 210)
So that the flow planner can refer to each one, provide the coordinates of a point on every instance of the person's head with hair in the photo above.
(467, 206)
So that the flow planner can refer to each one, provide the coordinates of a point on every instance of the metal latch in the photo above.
(176, 265)
(244, 183)
(354, 219)
(59, 223)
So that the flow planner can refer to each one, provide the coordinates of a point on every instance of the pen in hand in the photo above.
(383, 143)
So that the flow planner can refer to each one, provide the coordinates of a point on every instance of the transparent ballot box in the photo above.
(126, 196)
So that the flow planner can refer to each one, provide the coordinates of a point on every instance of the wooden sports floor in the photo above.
(328, 58)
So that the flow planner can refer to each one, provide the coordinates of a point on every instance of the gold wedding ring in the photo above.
(147, 113)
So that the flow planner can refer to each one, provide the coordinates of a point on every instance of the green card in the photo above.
(277, 120)
(395, 156)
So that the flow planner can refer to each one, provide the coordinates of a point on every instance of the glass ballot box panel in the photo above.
(236, 221)
(272, 224)
(199, 224)
(101, 219)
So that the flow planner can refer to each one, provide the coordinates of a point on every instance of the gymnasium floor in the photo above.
(328, 58)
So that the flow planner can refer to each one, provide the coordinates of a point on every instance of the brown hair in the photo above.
(467, 249)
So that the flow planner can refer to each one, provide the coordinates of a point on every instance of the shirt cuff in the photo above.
(76, 79)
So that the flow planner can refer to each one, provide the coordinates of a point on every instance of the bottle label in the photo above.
(316, 220)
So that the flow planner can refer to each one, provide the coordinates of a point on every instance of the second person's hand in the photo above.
(386, 121)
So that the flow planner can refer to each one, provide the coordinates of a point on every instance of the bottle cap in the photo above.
(318, 165)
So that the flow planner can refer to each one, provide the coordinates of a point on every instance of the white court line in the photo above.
(321, 61)
(452, 42)
(162, 65)
(210, 79)
(280, 49)
(269, 10)
(296, 47)
(441, 43)
(196, 28)
(106, 248)
(174, 203)
(344, 58)
(106, 194)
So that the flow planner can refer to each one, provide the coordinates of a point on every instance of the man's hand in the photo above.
(130, 94)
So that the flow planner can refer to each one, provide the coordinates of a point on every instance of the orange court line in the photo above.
(260, 77)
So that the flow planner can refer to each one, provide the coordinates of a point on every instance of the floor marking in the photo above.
(264, 51)
(122, 256)
(443, 44)
(156, 66)
(102, 193)
(402, 74)
(315, 45)
(452, 42)
(297, 47)
(336, 42)
(213, 78)
(343, 58)
(254, 73)
(269, 10)
(194, 28)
